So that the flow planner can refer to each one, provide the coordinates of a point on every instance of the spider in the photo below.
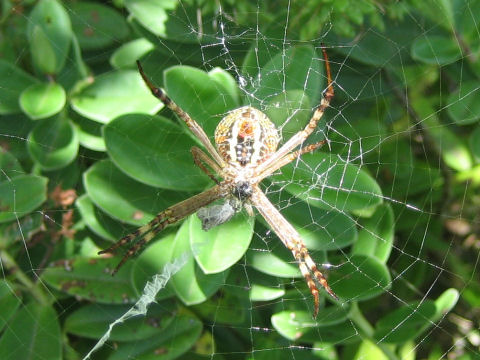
(246, 154)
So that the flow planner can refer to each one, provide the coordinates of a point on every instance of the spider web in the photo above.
(388, 207)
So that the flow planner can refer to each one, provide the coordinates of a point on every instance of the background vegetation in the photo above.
(87, 155)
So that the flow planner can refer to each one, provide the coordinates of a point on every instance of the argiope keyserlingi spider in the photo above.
(247, 153)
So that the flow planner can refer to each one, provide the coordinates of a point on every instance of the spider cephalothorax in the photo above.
(247, 153)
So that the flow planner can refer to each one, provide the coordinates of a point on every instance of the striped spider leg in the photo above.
(246, 153)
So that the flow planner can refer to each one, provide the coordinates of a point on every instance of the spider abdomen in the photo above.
(246, 136)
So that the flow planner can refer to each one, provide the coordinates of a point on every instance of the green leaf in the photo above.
(89, 134)
(99, 222)
(13, 81)
(373, 49)
(152, 261)
(328, 182)
(376, 235)
(10, 166)
(262, 287)
(276, 261)
(9, 302)
(178, 338)
(330, 326)
(124, 198)
(319, 229)
(464, 104)
(151, 15)
(295, 324)
(369, 350)
(298, 68)
(50, 34)
(222, 246)
(361, 278)
(206, 97)
(436, 50)
(21, 195)
(91, 279)
(53, 143)
(475, 143)
(227, 308)
(291, 110)
(191, 285)
(154, 151)
(92, 320)
(410, 321)
(114, 94)
(259, 292)
(452, 149)
(126, 55)
(40, 101)
(97, 26)
(34, 333)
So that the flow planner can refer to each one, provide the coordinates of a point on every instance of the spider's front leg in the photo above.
(167, 217)
(292, 240)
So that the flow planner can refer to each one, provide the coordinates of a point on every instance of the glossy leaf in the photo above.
(10, 166)
(124, 198)
(436, 50)
(126, 55)
(21, 195)
(34, 333)
(191, 285)
(40, 101)
(204, 96)
(464, 104)
(262, 287)
(177, 339)
(375, 237)
(99, 222)
(369, 350)
(152, 261)
(90, 134)
(452, 149)
(50, 35)
(154, 151)
(53, 143)
(475, 143)
(294, 324)
(405, 323)
(371, 47)
(328, 182)
(410, 321)
(361, 278)
(151, 15)
(319, 229)
(13, 81)
(298, 68)
(290, 110)
(276, 261)
(9, 302)
(227, 308)
(261, 292)
(92, 321)
(91, 279)
(97, 26)
(114, 94)
(222, 246)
